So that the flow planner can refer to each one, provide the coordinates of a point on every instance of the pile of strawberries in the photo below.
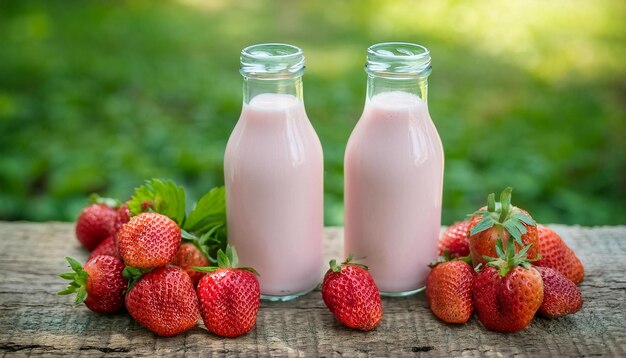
(151, 258)
(168, 269)
(506, 268)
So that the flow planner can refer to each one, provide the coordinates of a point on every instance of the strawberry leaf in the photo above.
(67, 276)
(499, 249)
(519, 226)
(163, 197)
(510, 250)
(78, 281)
(520, 216)
(250, 269)
(513, 230)
(205, 269)
(132, 275)
(208, 211)
(69, 290)
(232, 255)
(207, 221)
(226, 259)
(485, 223)
(522, 254)
(75, 265)
(222, 259)
(81, 295)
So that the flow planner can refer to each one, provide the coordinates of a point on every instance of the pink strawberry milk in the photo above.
(273, 170)
(394, 172)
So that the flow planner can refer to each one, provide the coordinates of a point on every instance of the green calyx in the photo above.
(503, 216)
(446, 257)
(78, 281)
(225, 259)
(508, 260)
(208, 243)
(349, 261)
(133, 274)
(110, 202)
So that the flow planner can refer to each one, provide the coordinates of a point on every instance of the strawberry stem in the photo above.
(505, 202)
(491, 202)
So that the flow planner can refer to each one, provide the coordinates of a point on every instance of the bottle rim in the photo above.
(398, 59)
(271, 60)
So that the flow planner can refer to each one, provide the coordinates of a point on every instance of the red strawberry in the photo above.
(508, 291)
(454, 239)
(107, 247)
(189, 256)
(449, 291)
(351, 295)
(148, 240)
(164, 301)
(229, 297)
(560, 295)
(95, 224)
(557, 255)
(123, 216)
(99, 283)
(501, 219)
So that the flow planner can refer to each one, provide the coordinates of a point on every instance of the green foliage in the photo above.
(161, 196)
(205, 226)
(97, 96)
(209, 212)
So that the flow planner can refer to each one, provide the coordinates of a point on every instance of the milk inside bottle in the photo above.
(273, 169)
(393, 172)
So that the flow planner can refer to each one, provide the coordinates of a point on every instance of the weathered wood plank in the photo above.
(35, 321)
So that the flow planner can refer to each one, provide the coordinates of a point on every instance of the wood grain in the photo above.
(35, 321)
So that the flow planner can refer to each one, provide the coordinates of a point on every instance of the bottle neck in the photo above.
(417, 86)
(253, 87)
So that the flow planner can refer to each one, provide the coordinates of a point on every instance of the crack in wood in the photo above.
(105, 349)
(13, 347)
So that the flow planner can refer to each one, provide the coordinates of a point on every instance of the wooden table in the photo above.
(35, 321)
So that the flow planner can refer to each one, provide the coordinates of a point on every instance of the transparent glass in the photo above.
(273, 168)
(398, 66)
(393, 172)
(272, 68)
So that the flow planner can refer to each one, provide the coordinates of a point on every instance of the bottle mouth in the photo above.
(398, 59)
(272, 60)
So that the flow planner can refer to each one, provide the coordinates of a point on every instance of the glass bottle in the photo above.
(393, 172)
(273, 168)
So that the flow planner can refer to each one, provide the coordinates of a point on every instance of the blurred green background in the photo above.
(96, 96)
